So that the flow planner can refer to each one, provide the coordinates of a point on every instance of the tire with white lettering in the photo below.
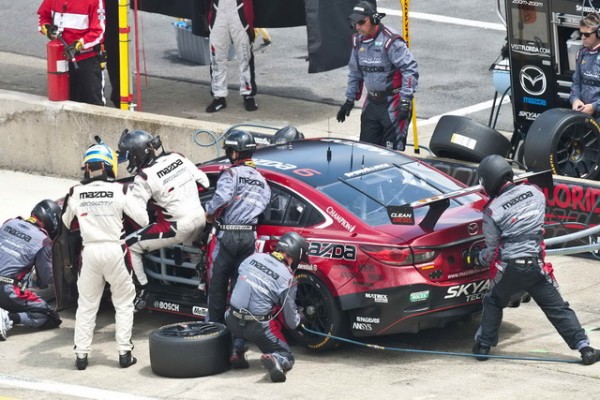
(322, 315)
(462, 138)
(566, 142)
(190, 349)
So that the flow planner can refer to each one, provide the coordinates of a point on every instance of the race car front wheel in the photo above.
(322, 314)
(565, 141)
(190, 349)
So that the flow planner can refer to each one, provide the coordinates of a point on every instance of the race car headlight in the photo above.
(398, 256)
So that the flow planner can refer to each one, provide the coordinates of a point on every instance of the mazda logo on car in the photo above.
(473, 228)
(533, 80)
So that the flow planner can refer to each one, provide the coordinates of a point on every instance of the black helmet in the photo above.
(364, 9)
(286, 134)
(48, 213)
(240, 141)
(294, 246)
(138, 148)
(493, 172)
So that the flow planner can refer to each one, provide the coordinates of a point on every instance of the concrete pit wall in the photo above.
(49, 138)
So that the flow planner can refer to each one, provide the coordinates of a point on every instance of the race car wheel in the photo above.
(322, 314)
(566, 142)
(190, 349)
(462, 138)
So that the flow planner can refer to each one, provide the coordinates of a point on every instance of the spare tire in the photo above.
(462, 138)
(566, 142)
(190, 349)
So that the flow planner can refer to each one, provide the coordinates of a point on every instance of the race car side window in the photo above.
(288, 209)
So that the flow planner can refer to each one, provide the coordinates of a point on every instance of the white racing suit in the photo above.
(99, 207)
(171, 183)
(22, 245)
(265, 286)
(231, 21)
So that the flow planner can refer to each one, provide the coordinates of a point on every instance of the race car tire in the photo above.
(462, 138)
(565, 141)
(190, 349)
(322, 315)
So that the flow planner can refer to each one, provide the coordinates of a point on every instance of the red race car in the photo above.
(387, 236)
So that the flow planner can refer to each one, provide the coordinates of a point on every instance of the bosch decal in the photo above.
(332, 250)
(533, 80)
(470, 291)
(163, 305)
(378, 298)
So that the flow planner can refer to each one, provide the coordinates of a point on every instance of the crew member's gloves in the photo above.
(404, 109)
(345, 110)
(471, 259)
(78, 45)
(49, 30)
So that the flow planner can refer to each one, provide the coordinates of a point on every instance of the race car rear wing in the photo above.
(405, 214)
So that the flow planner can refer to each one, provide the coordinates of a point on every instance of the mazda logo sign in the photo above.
(472, 228)
(533, 80)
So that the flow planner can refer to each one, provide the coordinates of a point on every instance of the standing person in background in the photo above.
(380, 61)
(81, 24)
(585, 91)
(99, 204)
(231, 21)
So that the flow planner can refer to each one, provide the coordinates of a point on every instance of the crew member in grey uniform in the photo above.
(263, 302)
(513, 222)
(585, 91)
(382, 62)
(170, 182)
(100, 204)
(241, 196)
(25, 243)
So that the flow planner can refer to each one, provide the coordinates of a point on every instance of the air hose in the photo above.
(442, 353)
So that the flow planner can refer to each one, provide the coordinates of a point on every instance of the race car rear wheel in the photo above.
(462, 138)
(566, 142)
(322, 314)
(190, 349)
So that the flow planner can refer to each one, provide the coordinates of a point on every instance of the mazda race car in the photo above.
(387, 235)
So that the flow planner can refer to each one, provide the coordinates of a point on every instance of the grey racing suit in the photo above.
(231, 21)
(262, 303)
(171, 182)
(513, 226)
(387, 69)
(241, 196)
(24, 245)
(586, 79)
(100, 207)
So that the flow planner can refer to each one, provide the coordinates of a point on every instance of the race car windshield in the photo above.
(367, 195)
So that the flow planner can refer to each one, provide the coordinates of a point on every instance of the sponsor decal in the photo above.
(533, 80)
(516, 200)
(528, 3)
(361, 327)
(164, 305)
(470, 291)
(174, 165)
(332, 250)
(101, 194)
(535, 101)
(464, 273)
(529, 48)
(367, 170)
(264, 269)
(251, 182)
(378, 298)
(573, 197)
(368, 320)
(274, 164)
(401, 215)
(528, 115)
(17, 233)
(308, 267)
(340, 219)
(200, 311)
(472, 228)
(419, 296)
(347, 274)
(578, 7)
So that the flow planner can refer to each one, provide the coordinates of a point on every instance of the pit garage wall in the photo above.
(49, 138)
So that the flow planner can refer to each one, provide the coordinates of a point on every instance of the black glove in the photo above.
(50, 30)
(471, 258)
(345, 110)
(404, 109)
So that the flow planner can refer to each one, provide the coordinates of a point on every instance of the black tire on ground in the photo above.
(190, 349)
(322, 314)
(462, 138)
(566, 142)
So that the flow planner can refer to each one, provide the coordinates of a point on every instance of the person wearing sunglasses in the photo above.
(382, 63)
(585, 91)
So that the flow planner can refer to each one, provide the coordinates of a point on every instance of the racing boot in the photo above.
(250, 103)
(238, 359)
(81, 362)
(126, 360)
(217, 104)
(270, 362)
(589, 355)
(482, 349)
(5, 324)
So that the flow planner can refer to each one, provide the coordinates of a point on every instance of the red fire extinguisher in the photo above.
(58, 72)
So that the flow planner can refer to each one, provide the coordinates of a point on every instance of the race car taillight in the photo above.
(398, 256)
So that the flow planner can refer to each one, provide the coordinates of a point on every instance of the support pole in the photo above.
(405, 34)
(124, 76)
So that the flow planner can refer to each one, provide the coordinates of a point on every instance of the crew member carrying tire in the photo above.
(263, 302)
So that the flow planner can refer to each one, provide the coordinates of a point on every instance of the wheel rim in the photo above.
(310, 298)
(190, 329)
(578, 151)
